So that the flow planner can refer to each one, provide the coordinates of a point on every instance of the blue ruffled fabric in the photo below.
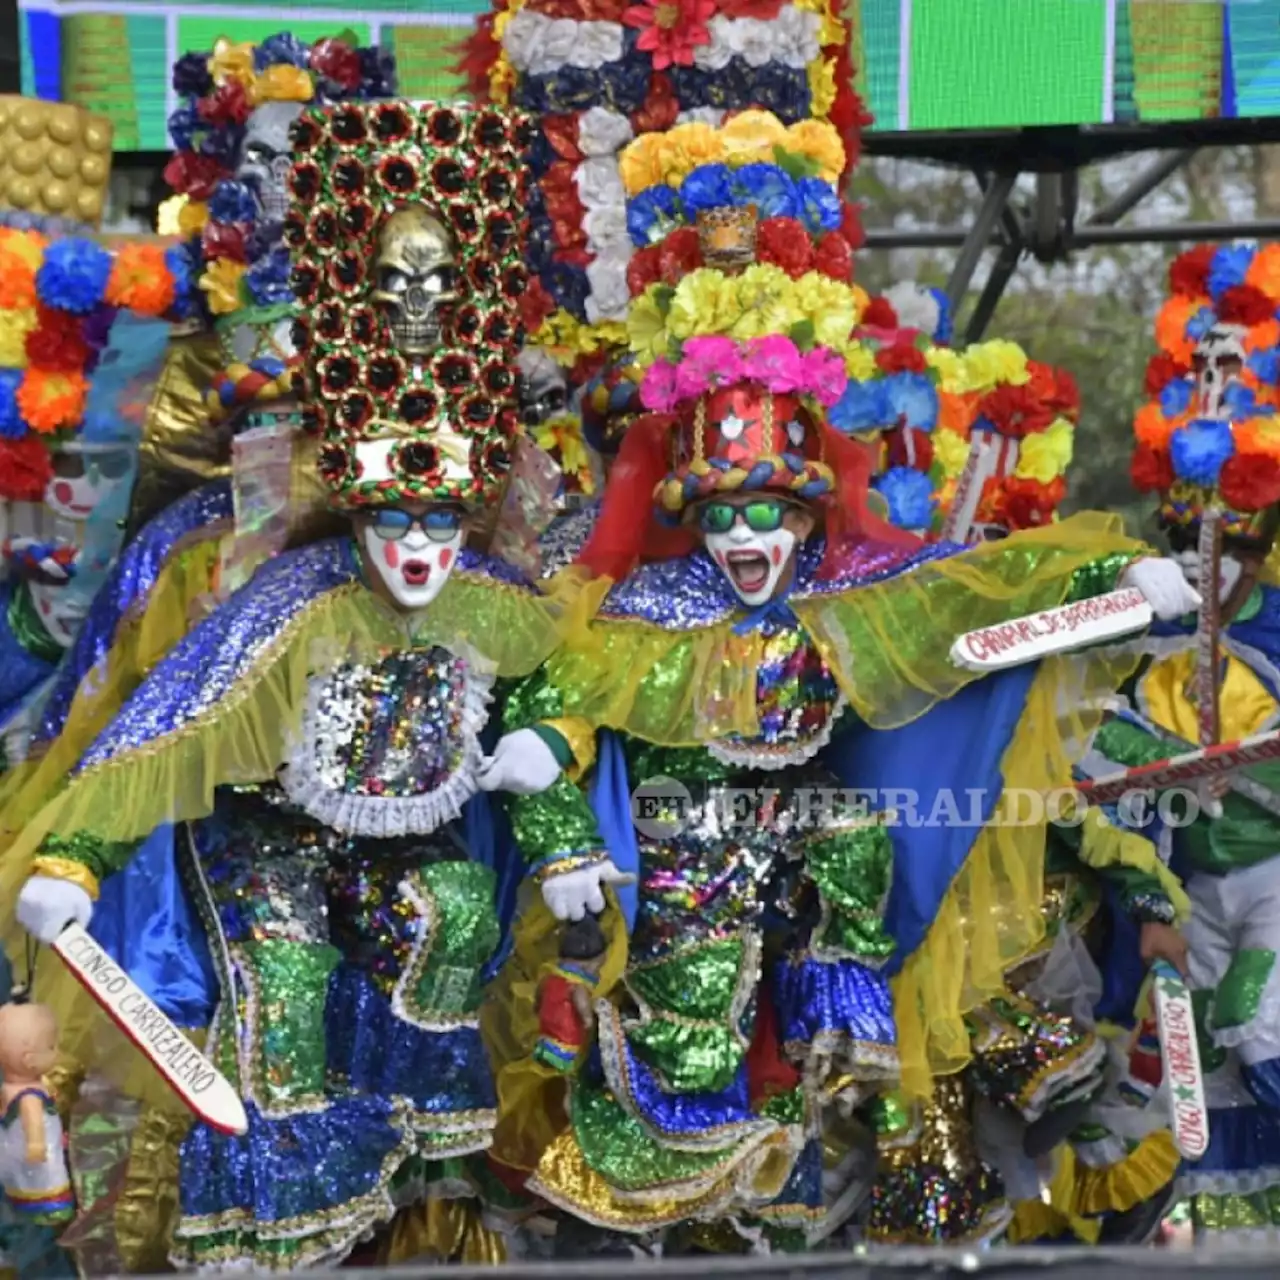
(127, 588)
(438, 1071)
(804, 1187)
(21, 673)
(1263, 1079)
(289, 1168)
(1241, 1139)
(816, 998)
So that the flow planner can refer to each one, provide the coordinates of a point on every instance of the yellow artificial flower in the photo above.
(820, 141)
(230, 61)
(949, 366)
(192, 217)
(704, 302)
(995, 363)
(686, 147)
(859, 361)
(282, 83)
(767, 299)
(641, 163)
(950, 452)
(1044, 455)
(27, 246)
(562, 437)
(647, 327)
(502, 79)
(832, 30)
(831, 306)
(221, 281)
(15, 324)
(752, 136)
(821, 73)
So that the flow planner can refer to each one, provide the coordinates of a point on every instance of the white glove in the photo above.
(570, 895)
(521, 763)
(46, 905)
(1168, 593)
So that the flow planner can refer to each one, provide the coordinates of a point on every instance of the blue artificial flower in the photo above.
(652, 214)
(569, 286)
(769, 188)
(912, 400)
(909, 496)
(283, 48)
(625, 84)
(1240, 401)
(184, 124)
(183, 261)
(1228, 268)
(863, 406)
(943, 332)
(572, 89)
(378, 73)
(1176, 397)
(820, 207)
(268, 279)
(709, 186)
(12, 426)
(1199, 449)
(223, 144)
(232, 202)
(191, 75)
(1265, 365)
(73, 275)
(1201, 323)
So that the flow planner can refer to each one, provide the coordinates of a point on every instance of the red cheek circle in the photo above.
(391, 553)
(446, 557)
(63, 492)
(777, 555)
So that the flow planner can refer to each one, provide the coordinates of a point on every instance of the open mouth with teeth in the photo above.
(416, 572)
(748, 569)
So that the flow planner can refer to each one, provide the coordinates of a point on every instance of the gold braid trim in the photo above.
(67, 869)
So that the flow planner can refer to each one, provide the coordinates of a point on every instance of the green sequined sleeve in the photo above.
(82, 859)
(555, 829)
(1098, 577)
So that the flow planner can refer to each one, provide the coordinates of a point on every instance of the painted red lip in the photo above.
(749, 569)
(416, 572)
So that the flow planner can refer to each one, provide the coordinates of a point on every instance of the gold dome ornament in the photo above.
(55, 163)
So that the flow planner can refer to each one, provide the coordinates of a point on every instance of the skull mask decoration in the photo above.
(1219, 357)
(265, 159)
(416, 277)
(544, 390)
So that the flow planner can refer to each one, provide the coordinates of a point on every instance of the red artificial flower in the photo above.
(25, 469)
(1055, 387)
(1151, 470)
(1189, 272)
(1015, 411)
(562, 133)
(1245, 304)
(228, 104)
(678, 254)
(834, 258)
(784, 243)
(337, 62)
(223, 240)
(57, 343)
(644, 269)
(848, 115)
(671, 30)
(660, 110)
(880, 314)
(193, 175)
(762, 10)
(1250, 482)
(921, 453)
(478, 54)
(536, 304)
(902, 356)
(1163, 369)
(1027, 504)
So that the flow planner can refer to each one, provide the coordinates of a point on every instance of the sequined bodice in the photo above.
(390, 749)
(797, 703)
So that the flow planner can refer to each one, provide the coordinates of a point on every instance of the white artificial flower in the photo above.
(600, 183)
(713, 116)
(602, 132)
(715, 55)
(915, 306)
(609, 297)
(596, 43)
(538, 45)
(795, 37)
(606, 229)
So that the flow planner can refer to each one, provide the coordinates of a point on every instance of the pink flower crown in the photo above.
(774, 362)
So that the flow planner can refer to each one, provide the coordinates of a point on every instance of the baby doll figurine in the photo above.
(33, 1165)
(565, 1015)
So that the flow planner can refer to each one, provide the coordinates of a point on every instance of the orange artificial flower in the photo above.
(21, 253)
(1262, 337)
(1171, 328)
(140, 280)
(1264, 270)
(956, 410)
(52, 402)
(1151, 426)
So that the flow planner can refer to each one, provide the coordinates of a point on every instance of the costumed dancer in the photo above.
(1207, 442)
(321, 732)
(735, 671)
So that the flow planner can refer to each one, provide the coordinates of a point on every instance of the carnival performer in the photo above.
(321, 731)
(1205, 443)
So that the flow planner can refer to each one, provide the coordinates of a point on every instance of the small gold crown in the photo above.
(727, 237)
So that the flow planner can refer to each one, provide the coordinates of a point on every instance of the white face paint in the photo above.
(85, 479)
(753, 562)
(61, 611)
(413, 568)
(1230, 571)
